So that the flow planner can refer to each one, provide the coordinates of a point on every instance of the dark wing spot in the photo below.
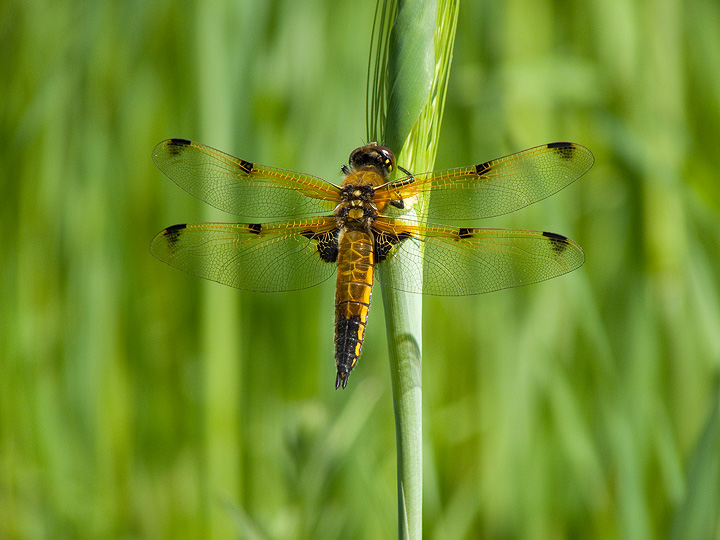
(464, 232)
(327, 244)
(176, 146)
(255, 228)
(246, 166)
(398, 203)
(384, 242)
(558, 242)
(173, 233)
(563, 149)
(482, 168)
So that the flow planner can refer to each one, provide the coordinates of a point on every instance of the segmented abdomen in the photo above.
(352, 298)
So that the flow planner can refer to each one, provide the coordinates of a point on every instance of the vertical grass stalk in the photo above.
(221, 370)
(410, 64)
(697, 514)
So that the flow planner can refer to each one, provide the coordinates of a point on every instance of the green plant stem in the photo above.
(408, 73)
(410, 60)
(403, 316)
(221, 370)
(419, 49)
(697, 514)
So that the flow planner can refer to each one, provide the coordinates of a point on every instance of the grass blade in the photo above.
(418, 60)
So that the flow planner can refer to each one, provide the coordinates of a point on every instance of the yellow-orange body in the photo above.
(355, 215)
(352, 297)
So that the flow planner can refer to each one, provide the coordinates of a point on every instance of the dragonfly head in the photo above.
(373, 157)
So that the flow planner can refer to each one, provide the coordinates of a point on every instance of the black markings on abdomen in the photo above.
(346, 346)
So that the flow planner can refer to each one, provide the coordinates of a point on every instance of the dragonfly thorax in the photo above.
(356, 207)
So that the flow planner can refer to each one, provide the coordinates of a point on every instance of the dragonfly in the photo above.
(301, 229)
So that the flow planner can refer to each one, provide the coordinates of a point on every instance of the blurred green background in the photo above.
(139, 402)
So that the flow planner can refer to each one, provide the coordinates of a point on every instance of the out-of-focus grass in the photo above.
(138, 402)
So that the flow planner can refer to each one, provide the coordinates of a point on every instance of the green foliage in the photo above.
(138, 402)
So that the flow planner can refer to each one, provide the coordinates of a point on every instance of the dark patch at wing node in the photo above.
(255, 228)
(563, 149)
(398, 203)
(464, 232)
(558, 242)
(482, 168)
(176, 146)
(384, 242)
(246, 166)
(327, 243)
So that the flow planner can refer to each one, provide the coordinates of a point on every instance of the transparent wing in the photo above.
(241, 187)
(267, 257)
(492, 188)
(450, 261)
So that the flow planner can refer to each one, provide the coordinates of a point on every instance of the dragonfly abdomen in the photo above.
(352, 298)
